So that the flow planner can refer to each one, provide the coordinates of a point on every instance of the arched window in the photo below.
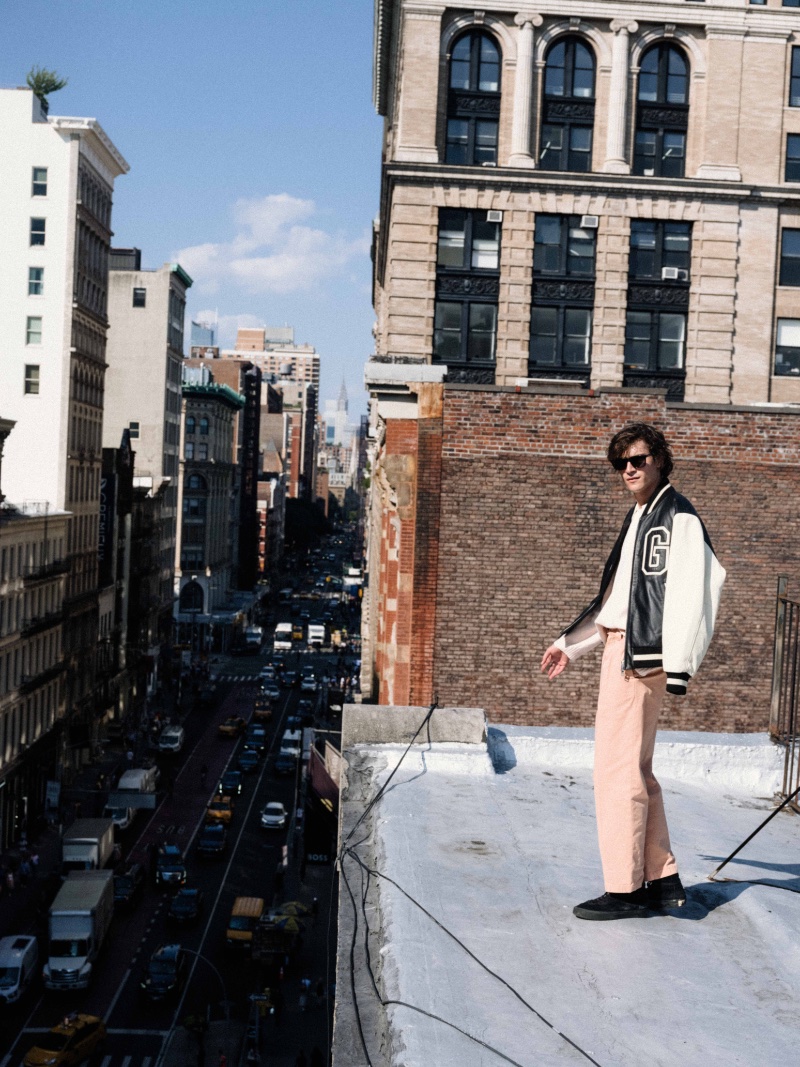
(473, 101)
(197, 483)
(190, 423)
(662, 113)
(568, 113)
(192, 597)
(204, 425)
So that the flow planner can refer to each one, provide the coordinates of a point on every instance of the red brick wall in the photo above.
(529, 510)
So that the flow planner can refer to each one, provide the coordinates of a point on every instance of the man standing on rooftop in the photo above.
(655, 614)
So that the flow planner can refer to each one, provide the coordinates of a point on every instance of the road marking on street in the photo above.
(136, 1033)
(127, 1061)
(113, 1004)
(147, 1061)
(106, 1061)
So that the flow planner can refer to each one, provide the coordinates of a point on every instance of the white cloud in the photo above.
(272, 249)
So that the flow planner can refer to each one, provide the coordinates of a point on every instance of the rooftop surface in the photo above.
(496, 840)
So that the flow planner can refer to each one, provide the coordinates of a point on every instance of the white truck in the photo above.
(282, 642)
(78, 922)
(87, 845)
(317, 634)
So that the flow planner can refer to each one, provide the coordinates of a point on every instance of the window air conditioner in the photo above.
(589, 222)
(670, 274)
(494, 216)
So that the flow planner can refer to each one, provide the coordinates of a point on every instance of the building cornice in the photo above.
(99, 140)
(600, 183)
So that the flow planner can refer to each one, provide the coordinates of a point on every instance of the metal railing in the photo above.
(784, 716)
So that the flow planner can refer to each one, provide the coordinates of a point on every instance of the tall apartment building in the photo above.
(143, 395)
(57, 176)
(590, 214)
(33, 568)
(273, 350)
(208, 517)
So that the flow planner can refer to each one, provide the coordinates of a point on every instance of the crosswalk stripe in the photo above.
(127, 1061)
(106, 1061)
(147, 1061)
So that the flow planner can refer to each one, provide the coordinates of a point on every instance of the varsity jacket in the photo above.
(676, 582)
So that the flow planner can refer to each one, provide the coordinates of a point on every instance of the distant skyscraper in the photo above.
(203, 334)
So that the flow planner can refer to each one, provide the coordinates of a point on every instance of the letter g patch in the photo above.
(655, 558)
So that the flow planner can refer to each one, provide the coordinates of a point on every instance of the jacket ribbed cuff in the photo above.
(676, 684)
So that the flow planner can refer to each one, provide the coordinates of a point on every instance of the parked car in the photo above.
(171, 739)
(170, 868)
(273, 816)
(186, 906)
(71, 1041)
(220, 810)
(233, 726)
(230, 784)
(213, 840)
(129, 886)
(166, 973)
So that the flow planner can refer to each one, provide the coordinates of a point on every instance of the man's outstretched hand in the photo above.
(554, 662)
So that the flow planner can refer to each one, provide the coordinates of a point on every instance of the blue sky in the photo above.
(253, 146)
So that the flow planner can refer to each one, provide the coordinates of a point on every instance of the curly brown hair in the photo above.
(653, 438)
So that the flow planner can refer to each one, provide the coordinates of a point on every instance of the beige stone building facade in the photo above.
(589, 215)
(650, 151)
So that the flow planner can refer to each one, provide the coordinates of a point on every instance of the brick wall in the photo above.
(529, 511)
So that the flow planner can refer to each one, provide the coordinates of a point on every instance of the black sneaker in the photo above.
(666, 892)
(615, 906)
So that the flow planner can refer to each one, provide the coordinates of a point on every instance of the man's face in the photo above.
(643, 481)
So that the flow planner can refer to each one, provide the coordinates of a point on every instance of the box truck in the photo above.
(78, 922)
(87, 845)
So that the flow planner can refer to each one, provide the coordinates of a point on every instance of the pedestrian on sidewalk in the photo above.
(655, 614)
(25, 871)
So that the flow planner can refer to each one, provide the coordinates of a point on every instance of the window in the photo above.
(37, 231)
(467, 285)
(792, 173)
(473, 102)
(204, 425)
(794, 81)
(568, 114)
(561, 246)
(35, 281)
(139, 297)
(790, 258)
(654, 340)
(202, 451)
(33, 330)
(194, 507)
(562, 298)
(660, 249)
(133, 430)
(188, 450)
(190, 423)
(560, 336)
(787, 347)
(32, 379)
(39, 183)
(662, 114)
(197, 482)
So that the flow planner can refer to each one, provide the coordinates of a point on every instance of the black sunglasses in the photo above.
(637, 462)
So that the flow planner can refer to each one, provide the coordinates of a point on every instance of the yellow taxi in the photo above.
(220, 810)
(71, 1041)
(233, 726)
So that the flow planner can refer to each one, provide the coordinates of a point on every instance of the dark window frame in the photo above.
(789, 262)
(139, 298)
(560, 362)
(470, 289)
(794, 77)
(38, 185)
(661, 119)
(661, 258)
(38, 232)
(569, 112)
(654, 364)
(791, 172)
(567, 223)
(787, 357)
(33, 379)
(477, 110)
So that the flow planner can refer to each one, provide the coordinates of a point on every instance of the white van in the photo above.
(19, 957)
(171, 739)
(292, 743)
(139, 780)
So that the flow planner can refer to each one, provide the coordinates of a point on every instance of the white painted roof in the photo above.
(501, 858)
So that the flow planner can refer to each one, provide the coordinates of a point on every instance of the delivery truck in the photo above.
(78, 922)
(87, 845)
